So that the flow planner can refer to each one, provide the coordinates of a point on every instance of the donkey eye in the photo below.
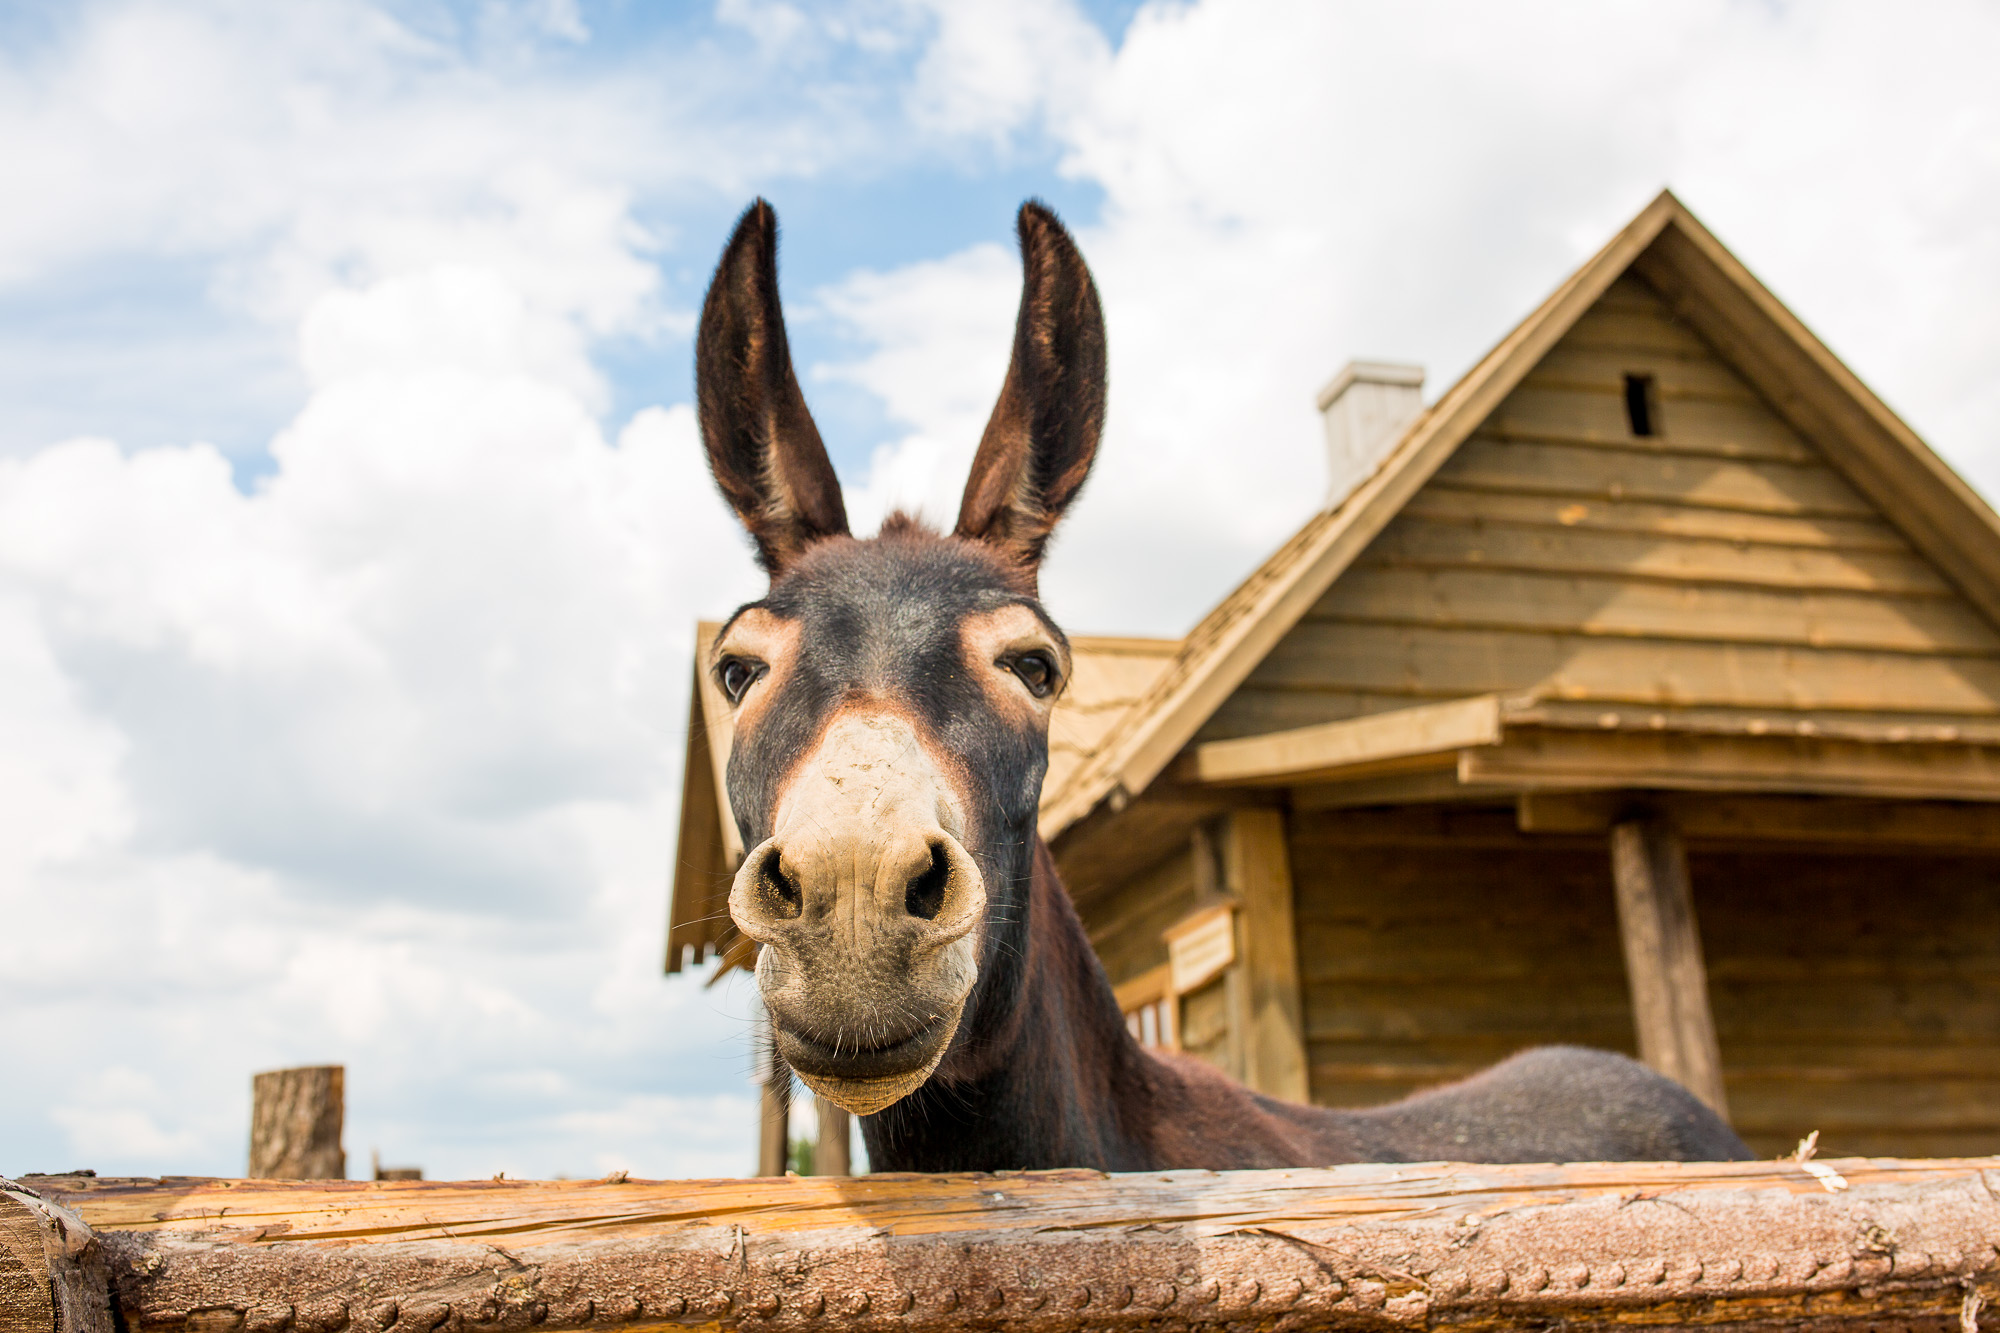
(738, 674)
(1037, 672)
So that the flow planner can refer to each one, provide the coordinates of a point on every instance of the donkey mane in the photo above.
(922, 962)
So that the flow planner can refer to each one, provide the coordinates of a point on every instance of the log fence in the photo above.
(1846, 1244)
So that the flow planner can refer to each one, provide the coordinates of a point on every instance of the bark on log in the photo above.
(52, 1272)
(295, 1123)
(1894, 1244)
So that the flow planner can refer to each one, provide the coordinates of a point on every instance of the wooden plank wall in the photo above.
(1434, 941)
(1721, 562)
(1846, 1003)
(1127, 923)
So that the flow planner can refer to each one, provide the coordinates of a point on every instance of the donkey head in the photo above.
(891, 696)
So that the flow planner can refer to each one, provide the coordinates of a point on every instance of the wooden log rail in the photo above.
(1881, 1244)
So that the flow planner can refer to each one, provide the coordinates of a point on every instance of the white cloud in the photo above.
(376, 761)
(1289, 185)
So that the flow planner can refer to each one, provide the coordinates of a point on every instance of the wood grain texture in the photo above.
(1755, 1245)
(53, 1276)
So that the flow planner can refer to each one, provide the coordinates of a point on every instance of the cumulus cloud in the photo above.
(1288, 186)
(381, 748)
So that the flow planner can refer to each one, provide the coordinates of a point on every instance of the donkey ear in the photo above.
(762, 445)
(1038, 447)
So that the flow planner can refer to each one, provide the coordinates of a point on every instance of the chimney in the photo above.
(1366, 407)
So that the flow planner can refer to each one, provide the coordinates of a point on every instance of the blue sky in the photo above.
(352, 527)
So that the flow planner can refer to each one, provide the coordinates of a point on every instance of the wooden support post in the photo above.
(774, 1120)
(1266, 1011)
(830, 1154)
(295, 1121)
(1663, 959)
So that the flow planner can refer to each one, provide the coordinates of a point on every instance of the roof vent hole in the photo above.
(1642, 405)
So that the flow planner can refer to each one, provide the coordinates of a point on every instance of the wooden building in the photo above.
(1642, 691)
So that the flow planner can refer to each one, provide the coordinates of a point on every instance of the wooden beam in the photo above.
(1917, 826)
(1257, 873)
(1354, 746)
(1555, 757)
(831, 1153)
(295, 1122)
(1663, 961)
(1755, 1245)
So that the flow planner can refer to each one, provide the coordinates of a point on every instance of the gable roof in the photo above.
(1706, 287)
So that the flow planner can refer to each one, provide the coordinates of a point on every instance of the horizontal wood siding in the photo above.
(1435, 942)
(1846, 1002)
(1720, 563)
(1126, 924)
(1429, 949)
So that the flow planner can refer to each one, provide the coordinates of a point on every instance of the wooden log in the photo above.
(1663, 960)
(295, 1121)
(831, 1153)
(1764, 1245)
(52, 1272)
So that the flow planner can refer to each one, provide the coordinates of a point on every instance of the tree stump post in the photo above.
(295, 1123)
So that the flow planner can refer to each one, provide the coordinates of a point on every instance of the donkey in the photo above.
(921, 963)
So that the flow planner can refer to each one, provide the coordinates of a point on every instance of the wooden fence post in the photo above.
(1663, 960)
(830, 1155)
(295, 1121)
(774, 1103)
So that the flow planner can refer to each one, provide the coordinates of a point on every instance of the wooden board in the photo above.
(1359, 745)
(1758, 1244)
(1447, 662)
(1610, 606)
(1553, 757)
(1424, 544)
(1642, 472)
(1443, 502)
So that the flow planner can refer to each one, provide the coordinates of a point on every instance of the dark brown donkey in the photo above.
(922, 964)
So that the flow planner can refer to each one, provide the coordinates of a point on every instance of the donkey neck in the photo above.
(1044, 1073)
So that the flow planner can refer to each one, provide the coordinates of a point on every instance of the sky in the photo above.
(353, 526)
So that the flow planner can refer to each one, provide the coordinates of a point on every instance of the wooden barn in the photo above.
(1643, 691)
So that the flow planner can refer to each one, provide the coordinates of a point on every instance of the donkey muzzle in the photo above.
(866, 904)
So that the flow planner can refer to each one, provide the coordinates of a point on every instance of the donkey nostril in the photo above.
(781, 892)
(924, 899)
